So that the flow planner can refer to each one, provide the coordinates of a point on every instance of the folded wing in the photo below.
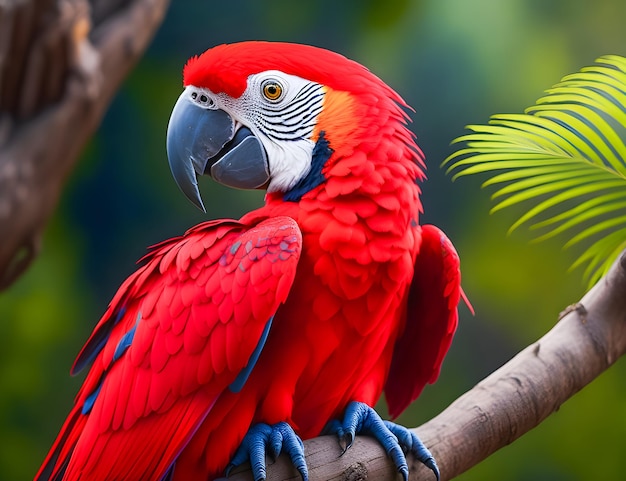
(431, 320)
(188, 325)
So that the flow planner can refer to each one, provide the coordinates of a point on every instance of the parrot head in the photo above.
(274, 116)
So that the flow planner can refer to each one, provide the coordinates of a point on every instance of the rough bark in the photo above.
(589, 337)
(61, 62)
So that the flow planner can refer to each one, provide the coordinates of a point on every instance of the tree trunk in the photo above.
(61, 62)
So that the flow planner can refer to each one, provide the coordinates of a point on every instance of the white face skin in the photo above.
(281, 111)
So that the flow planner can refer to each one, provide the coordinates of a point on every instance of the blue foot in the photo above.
(264, 439)
(397, 440)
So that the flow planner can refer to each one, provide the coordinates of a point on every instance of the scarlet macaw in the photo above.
(242, 337)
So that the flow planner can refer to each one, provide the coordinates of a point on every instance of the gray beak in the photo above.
(203, 141)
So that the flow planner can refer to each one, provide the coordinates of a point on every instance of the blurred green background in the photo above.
(456, 62)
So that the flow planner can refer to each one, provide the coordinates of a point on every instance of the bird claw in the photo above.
(262, 439)
(396, 440)
(346, 438)
(411, 443)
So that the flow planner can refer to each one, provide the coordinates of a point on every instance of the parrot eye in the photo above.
(272, 90)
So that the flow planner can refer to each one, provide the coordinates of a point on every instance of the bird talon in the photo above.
(264, 440)
(404, 471)
(397, 440)
(345, 442)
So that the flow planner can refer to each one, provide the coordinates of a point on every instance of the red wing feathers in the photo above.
(431, 320)
(176, 335)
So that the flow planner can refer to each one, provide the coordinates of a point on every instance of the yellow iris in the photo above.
(272, 90)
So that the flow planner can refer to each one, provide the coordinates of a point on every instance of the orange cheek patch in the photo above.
(338, 117)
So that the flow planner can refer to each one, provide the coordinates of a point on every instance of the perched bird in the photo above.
(243, 337)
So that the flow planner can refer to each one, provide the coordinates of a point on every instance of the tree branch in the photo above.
(590, 337)
(61, 62)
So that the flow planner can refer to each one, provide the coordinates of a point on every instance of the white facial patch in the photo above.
(281, 110)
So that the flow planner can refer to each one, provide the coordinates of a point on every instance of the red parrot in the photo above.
(246, 336)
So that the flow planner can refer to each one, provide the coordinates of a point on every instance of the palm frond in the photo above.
(565, 157)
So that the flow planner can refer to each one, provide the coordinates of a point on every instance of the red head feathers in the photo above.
(226, 68)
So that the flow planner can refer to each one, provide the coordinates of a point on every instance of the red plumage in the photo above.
(362, 297)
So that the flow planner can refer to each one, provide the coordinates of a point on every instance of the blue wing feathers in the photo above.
(91, 399)
(96, 343)
(242, 377)
(126, 340)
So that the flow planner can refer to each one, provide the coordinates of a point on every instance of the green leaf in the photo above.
(564, 158)
(545, 173)
(567, 189)
(585, 215)
(562, 197)
(600, 255)
(582, 207)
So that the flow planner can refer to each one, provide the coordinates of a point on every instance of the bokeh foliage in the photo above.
(456, 62)
(564, 159)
